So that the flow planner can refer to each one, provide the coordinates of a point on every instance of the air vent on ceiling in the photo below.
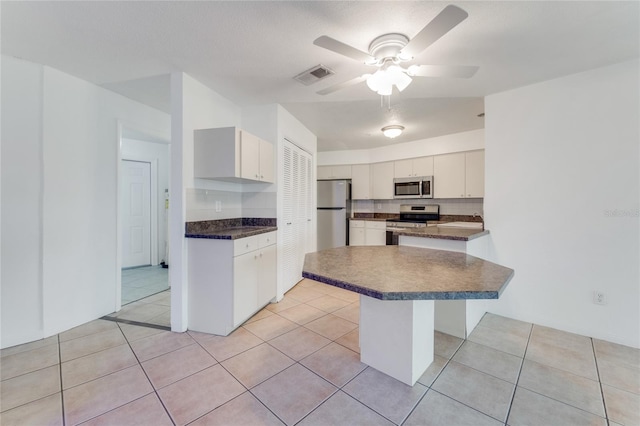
(313, 75)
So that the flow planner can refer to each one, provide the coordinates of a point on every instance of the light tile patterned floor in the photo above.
(296, 362)
(138, 283)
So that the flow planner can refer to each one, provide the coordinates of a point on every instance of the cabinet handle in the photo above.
(247, 245)
(288, 223)
(260, 254)
(261, 176)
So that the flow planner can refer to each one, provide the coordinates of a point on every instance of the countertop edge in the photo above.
(410, 233)
(426, 295)
(228, 234)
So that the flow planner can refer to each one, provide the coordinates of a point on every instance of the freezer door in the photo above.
(333, 193)
(332, 228)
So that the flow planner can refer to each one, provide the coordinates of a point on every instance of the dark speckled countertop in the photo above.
(407, 273)
(229, 229)
(233, 233)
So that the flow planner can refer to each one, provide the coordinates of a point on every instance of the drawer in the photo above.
(357, 223)
(267, 239)
(245, 245)
(376, 224)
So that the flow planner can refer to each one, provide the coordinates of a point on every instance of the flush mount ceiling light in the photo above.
(392, 131)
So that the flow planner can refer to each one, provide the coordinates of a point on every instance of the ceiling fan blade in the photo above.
(439, 26)
(453, 71)
(342, 85)
(343, 49)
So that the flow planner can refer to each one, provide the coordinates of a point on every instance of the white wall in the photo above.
(21, 203)
(69, 164)
(562, 198)
(457, 142)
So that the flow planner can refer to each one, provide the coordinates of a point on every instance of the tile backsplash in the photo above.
(453, 206)
(212, 204)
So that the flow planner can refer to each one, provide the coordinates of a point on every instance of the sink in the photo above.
(466, 225)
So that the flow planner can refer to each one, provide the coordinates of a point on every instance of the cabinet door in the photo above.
(375, 237)
(474, 174)
(245, 286)
(423, 166)
(267, 275)
(360, 182)
(324, 172)
(403, 168)
(341, 172)
(382, 181)
(249, 156)
(449, 175)
(356, 236)
(266, 162)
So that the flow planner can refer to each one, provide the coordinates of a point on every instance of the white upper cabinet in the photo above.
(421, 166)
(459, 175)
(360, 182)
(334, 172)
(229, 153)
(474, 174)
(382, 181)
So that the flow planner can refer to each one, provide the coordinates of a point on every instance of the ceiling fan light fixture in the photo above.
(404, 57)
(402, 81)
(392, 131)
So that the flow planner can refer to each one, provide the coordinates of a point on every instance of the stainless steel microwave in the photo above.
(413, 187)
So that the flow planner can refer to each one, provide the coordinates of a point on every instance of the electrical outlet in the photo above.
(599, 298)
(218, 206)
(379, 206)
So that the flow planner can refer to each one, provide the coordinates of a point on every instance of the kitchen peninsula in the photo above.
(397, 287)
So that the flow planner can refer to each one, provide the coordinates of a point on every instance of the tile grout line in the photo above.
(155, 391)
(338, 388)
(604, 403)
(236, 379)
(515, 387)
(64, 420)
(429, 388)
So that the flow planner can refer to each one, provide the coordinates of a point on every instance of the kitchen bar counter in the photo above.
(407, 273)
(397, 287)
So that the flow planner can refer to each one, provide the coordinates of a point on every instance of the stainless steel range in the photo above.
(411, 216)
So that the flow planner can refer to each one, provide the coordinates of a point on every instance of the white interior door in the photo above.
(136, 213)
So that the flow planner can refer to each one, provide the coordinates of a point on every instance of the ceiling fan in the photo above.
(389, 51)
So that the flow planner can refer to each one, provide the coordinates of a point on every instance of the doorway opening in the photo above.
(143, 290)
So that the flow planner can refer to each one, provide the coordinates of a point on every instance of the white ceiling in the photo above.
(249, 52)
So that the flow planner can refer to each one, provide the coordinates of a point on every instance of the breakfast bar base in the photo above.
(396, 336)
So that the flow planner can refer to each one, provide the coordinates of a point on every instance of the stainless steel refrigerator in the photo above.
(334, 209)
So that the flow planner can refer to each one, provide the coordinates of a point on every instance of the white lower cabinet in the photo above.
(375, 233)
(229, 281)
(367, 233)
(356, 233)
